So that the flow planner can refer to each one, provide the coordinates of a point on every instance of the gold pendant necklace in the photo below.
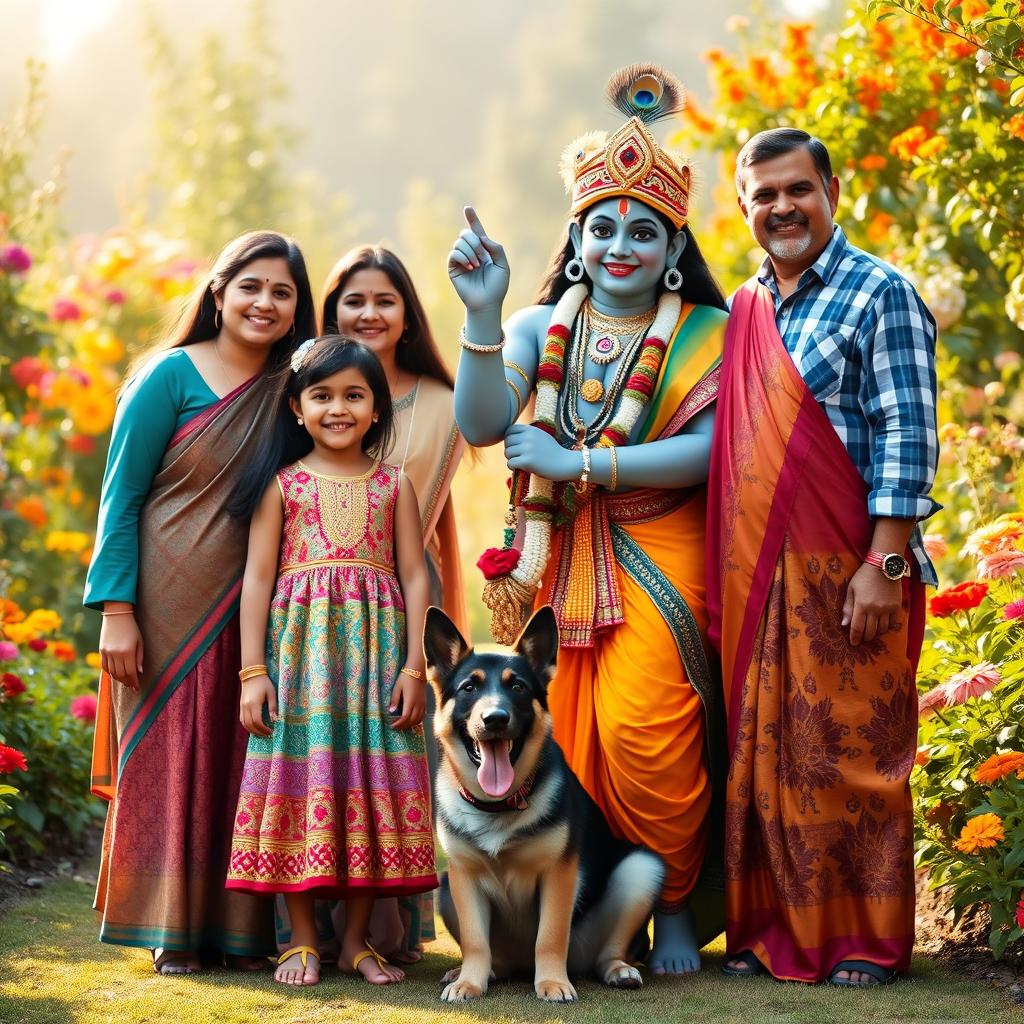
(592, 390)
(620, 324)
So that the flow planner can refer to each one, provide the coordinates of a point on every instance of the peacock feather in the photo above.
(646, 91)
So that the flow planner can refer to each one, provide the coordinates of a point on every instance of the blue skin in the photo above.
(486, 407)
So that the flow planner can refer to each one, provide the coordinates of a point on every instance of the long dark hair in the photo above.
(195, 320)
(282, 441)
(699, 285)
(417, 352)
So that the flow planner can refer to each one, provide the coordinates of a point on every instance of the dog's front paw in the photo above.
(621, 975)
(460, 991)
(555, 991)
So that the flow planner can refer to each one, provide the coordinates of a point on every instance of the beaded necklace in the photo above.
(514, 576)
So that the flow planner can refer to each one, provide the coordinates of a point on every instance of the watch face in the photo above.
(894, 566)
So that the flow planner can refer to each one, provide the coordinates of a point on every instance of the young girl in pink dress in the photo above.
(335, 800)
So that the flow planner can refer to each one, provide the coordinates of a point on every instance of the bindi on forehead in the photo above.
(623, 208)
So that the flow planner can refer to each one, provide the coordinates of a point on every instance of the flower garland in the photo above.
(512, 576)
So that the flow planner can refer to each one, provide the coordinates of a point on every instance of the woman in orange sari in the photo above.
(606, 519)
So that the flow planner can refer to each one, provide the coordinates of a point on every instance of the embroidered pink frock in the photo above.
(336, 800)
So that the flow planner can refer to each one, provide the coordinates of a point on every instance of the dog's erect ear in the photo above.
(538, 642)
(443, 645)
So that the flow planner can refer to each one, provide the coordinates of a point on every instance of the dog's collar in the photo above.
(513, 802)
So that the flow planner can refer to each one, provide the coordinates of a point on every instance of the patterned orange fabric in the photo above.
(819, 823)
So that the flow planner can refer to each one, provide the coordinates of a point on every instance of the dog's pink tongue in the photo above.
(495, 773)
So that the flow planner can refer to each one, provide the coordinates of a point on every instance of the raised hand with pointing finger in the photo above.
(477, 266)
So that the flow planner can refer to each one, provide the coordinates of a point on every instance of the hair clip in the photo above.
(299, 355)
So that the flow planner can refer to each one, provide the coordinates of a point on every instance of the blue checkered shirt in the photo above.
(864, 343)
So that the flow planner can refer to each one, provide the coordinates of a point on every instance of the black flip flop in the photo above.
(753, 967)
(882, 975)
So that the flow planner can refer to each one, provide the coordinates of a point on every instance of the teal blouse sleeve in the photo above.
(166, 393)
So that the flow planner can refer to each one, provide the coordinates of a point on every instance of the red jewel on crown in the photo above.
(629, 156)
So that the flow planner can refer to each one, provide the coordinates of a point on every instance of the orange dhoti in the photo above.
(626, 712)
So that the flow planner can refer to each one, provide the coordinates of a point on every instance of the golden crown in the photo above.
(629, 162)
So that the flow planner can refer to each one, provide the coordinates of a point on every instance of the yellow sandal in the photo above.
(304, 953)
(365, 954)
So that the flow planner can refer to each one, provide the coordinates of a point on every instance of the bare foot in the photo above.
(176, 961)
(675, 945)
(300, 966)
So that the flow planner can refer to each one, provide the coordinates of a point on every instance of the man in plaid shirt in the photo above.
(864, 344)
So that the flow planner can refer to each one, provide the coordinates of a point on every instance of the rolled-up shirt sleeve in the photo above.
(144, 423)
(899, 401)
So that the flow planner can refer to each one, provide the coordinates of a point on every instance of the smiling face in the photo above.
(789, 209)
(625, 249)
(258, 304)
(371, 309)
(337, 411)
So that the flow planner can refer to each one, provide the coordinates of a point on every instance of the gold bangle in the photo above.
(519, 370)
(519, 397)
(251, 672)
(614, 481)
(471, 346)
(415, 673)
(123, 611)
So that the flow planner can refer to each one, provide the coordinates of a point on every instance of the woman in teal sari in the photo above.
(166, 574)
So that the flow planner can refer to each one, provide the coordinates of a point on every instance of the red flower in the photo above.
(81, 444)
(27, 370)
(83, 707)
(1020, 914)
(11, 760)
(12, 684)
(39, 644)
(958, 598)
(496, 562)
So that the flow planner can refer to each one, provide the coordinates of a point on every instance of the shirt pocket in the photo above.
(824, 362)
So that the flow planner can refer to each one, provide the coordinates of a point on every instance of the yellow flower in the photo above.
(43, 620)
(932, 147)
(92, 411)
(992, 537)
(99, 345)
(67, 541)
(93, 659)
(20, 632)
(981, 832)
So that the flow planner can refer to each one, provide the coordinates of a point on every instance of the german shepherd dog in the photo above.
(536, 883)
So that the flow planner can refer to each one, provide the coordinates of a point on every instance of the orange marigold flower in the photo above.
(32, 510)
(1015, 126)
(62, 650)
(932, 147)
(9, 611)
(906, 144)
(873, 162)
(998, 766)
(981, 832)
(878, 228)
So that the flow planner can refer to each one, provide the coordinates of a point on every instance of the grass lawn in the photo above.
(53, 971)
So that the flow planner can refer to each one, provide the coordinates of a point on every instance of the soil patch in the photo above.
(35, 873)
(962, 947)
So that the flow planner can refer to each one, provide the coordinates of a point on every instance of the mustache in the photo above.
(777, 222)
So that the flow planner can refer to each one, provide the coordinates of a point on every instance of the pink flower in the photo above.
(1000, 564)
(15, 259)
(936, 697)
(972, 682)
(1020, 914)
(115, 297)
(8, 651)
(935, 545)
(1014, 610)
(83, 707)
(65, 309)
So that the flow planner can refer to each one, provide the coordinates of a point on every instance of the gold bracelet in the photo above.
(519, 370)
(519, 397)
(471, 346)
(123, 611)
(415, 673)
(614, 481)
(251, 672)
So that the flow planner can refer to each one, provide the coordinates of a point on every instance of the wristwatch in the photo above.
(893, 566)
